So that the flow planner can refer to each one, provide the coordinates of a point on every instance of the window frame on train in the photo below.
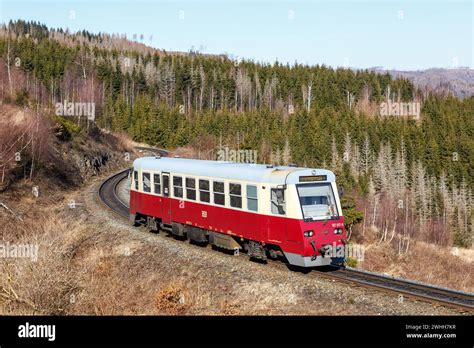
(146, 186)
(278, 204)
(251, 198)
(204, 190)
(190, 183)
(157, 184)
(178, 188)
(218, 193)
(235, 195)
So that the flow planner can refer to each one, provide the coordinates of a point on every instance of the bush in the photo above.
(351, 262)
(65, 128)
(352, 216)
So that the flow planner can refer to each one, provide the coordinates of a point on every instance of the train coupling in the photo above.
(311, 242)
(324, 250)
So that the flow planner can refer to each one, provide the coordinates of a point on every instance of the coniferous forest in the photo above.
(403, 177)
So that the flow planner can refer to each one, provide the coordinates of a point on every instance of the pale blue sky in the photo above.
(407, 35)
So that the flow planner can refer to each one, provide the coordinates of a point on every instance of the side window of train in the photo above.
(204, 195)
(278, 201)
(252, 200)
(191, 188)
(146, 182)
(178, 186)
(156, 184)
(235, 192)
(218, 188)
(135, 178)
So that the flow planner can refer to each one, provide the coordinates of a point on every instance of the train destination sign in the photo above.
(309, 178)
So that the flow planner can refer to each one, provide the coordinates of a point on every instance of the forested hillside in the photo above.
(409, 178)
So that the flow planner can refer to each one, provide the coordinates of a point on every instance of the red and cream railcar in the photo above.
(268, 211)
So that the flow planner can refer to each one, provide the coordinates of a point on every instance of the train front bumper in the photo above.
(312, 261)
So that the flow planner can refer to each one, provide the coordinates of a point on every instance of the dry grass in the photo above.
(171, 299)
(124, 141)
(82, 270)
(423, 262)
(44, 286)
(230, 307)
(65, 279)
(185, 152)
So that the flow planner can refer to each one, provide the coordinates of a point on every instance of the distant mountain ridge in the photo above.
(457, 81)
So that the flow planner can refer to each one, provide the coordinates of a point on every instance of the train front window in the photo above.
(317, 201)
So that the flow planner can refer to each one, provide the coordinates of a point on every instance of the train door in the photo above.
(166, 206)
(277, 220)
(135, 195)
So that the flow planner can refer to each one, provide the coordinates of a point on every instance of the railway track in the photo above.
(108, 194)
(108, 188)
(401, 287)
(404, 288)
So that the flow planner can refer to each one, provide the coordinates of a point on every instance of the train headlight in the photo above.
(338, 231)
(308, 233)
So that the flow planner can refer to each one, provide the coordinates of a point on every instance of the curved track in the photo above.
(407, 288)
(108, 193)
(108, 188)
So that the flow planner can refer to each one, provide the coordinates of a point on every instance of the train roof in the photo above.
(231, 170)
